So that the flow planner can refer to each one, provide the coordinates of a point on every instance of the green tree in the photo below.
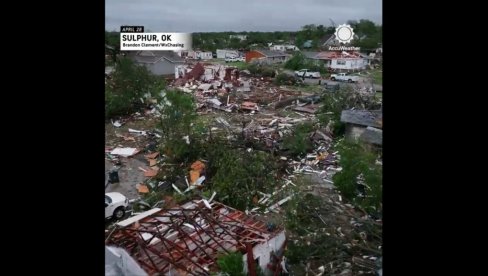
(365, 27)
(181, 141)
(235, 43)
(127, 86)
(369, 34)
(296, 62)
(237, 175)
(258, 38)
(320, 32)
(112, 40)
(299, 61)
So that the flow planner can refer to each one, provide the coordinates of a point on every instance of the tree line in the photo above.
(369, 37)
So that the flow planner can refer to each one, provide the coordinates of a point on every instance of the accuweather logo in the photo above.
(344, 33)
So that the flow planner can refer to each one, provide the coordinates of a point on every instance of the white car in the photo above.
(115, 205)
(344, 77)
(307, 73)
(231, 59)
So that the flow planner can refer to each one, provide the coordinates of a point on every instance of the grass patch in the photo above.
(379, 96)
(239, 64)
(314, 88)
(377, 76)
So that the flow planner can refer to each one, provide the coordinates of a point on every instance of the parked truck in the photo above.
(306, 73)
(344, 77)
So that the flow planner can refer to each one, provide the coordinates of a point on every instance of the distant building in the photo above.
(158, 62)
(200, 55)
(307, 44)
(266, 56)
(240, 37)
(280, 48)
(340, 60)
(283, 48)
(183, 53)
(227, 53)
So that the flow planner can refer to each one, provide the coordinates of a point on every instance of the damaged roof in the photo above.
(336, 55)
(312, 55)
(155, 56)
(373, 118)
(269, 53)
(188, 238)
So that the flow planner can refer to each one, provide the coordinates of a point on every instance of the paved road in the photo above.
(110, 221)
(129, 175)
(360, 83)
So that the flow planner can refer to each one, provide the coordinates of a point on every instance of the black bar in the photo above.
(131, 29)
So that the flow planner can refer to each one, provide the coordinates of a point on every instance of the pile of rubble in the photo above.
(229, 89)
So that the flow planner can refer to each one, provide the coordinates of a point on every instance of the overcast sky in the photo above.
(236, 15)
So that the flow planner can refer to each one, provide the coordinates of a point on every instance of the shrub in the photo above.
(359, 174)
(232, 264)
(285, 79)
(261, 70)
(236, 175)
(298, 142)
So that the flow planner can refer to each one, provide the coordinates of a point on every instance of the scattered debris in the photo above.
(142, 188)
(197, 168)
(124, 152)
(152, 155)
(150, 173)
(126, 138)
(116, 124)
(137, 131)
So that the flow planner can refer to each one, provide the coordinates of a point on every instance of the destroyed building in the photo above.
(364, 125)
(188, 239)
